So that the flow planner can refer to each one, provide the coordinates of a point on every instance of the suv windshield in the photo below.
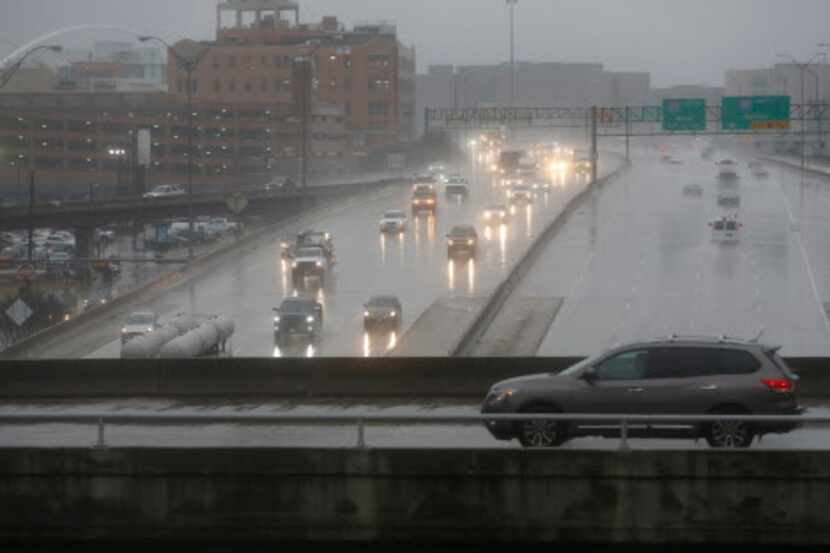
(296, 307)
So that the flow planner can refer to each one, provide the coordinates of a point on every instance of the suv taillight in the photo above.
(780, 385)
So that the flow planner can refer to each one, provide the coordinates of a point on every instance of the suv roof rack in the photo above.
(703, 337)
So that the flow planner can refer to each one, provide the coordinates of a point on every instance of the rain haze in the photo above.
(679, 42)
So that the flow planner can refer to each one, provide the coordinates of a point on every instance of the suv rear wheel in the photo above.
(541, 433)
(729, 434)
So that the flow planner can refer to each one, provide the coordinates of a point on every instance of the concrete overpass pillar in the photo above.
(85, 249)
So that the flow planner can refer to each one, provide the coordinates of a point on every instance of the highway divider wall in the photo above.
(176, 278)
(221, 497)
(503, 291)
(323, 378)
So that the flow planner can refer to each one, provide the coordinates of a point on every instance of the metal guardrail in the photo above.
(361, 420)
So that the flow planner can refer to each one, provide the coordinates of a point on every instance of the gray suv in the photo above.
(672, 376)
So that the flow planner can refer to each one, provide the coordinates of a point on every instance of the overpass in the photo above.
(84, 217)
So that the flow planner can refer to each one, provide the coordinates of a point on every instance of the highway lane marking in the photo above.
(805, 258)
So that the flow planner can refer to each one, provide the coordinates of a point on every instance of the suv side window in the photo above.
(629, 365)
(732, 361)
(678, 363)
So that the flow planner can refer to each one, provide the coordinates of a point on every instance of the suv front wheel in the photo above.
(541, 433)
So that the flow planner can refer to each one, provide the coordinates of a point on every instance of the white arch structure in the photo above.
(26, 47)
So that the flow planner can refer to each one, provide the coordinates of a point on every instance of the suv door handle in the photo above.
(709, 388)
(636, 390)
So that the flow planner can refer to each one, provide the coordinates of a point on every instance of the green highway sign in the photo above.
(684, 115)
(750, 113)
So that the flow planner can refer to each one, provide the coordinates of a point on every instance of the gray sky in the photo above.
(678, 41)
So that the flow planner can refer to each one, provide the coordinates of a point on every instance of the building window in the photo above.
(264, 86)
(377, 108)
(194, 86)
(231, 61)
(180, 86)
(277, 86)
(246, 61)
(347, 84)
(277, 61)
(248, 87)
(347, 62)
(348, 108)
(215, 62)
(262, 60)
(232, 86)
(217, 86)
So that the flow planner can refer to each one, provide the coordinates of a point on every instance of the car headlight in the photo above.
(309, 319)
(320, 264)
(366, 314)
(470, 242)
(294, 265)
(149, 329)
(393, 314)
(488, 215)
(276, 319)
(124, 330)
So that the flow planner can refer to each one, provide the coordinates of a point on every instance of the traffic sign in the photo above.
(747, 113)
(684, 115)
(25, 272)
(237, 203)
(19, 312)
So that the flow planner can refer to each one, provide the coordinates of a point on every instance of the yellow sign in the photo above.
(770, 125)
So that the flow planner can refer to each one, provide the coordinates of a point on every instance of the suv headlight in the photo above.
(309, 319)
(501, 396)
(294, 264)
(276, 319)
(320, 264)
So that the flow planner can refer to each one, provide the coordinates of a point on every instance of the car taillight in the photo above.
(781, 385)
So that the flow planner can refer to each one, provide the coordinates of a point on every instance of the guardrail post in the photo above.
(101, 442)
(361, 434)
(624, 436)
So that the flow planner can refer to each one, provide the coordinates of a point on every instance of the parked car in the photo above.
(669, 376)
(165, 190)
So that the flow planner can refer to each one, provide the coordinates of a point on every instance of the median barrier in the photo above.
(323, 378)
(499, 296)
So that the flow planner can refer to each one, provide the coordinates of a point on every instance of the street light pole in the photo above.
(512, 5)
(190, 65)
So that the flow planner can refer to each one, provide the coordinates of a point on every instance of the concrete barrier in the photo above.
(498, 298)
(414, 378)
(483, 497)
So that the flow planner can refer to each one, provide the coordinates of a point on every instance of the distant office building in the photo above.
(712, 94)
(113, 66)
(781, 79)
(537, 85)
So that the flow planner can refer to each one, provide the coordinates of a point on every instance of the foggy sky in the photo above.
(678, 41)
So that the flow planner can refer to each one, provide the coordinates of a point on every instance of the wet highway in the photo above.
(638, 261)
(412, 266)
(436, 435)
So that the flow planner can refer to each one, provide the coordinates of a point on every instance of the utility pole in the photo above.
(31, 215)
(628, 134)
(594, 151)
(512, 5)
(190, 65)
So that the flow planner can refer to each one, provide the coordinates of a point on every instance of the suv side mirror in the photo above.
(589, 375)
